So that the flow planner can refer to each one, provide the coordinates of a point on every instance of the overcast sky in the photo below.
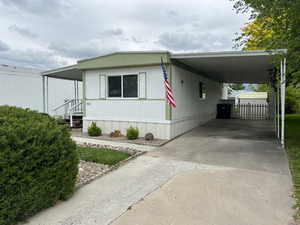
(51, 33)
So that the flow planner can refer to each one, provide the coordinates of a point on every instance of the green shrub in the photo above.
(93, 130)
(292, 104)
(38, 163)
(132, 133)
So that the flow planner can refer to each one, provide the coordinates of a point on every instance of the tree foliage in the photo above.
(275, 25)
(255, 35)
(237, 86)
(261, 88)
(292, 102)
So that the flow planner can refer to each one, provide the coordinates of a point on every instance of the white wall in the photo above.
(100, 107)
(191, 110)
(22, 87)
(149, 114)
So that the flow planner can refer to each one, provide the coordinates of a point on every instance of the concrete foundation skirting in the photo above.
(159, 130)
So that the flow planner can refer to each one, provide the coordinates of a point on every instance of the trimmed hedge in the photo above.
(38, 163)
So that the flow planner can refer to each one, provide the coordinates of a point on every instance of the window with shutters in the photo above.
(123, 86)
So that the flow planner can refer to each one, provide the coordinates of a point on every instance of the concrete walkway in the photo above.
(223, 173)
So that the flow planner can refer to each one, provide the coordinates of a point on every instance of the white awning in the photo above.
(68, 73)
(231, 66)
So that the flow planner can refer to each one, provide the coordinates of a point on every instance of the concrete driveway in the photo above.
(251, 187)
(241, 144)
(228, 172)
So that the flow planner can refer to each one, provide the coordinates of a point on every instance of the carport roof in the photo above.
(231, 66)
(228, 66)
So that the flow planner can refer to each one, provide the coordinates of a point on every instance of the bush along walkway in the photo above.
(96, 160)
(38, 163)
(293, 150)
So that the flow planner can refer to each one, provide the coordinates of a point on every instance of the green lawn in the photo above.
(101, 155)
(293, 150)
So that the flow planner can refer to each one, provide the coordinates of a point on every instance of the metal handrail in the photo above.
(71, 112)
(69, 105)
(74, 106)
(67, 102)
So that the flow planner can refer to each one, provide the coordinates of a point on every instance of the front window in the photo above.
(114, 86)
(130, 86)
(125, 86)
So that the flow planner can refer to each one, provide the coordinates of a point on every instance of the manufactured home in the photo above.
(23, 87)
(126, 89)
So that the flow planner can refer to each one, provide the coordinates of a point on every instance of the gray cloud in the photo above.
(111, 32)
(62, 31)
(30, 58)
(39, 7)
(23, 31)
(193, 41)
(3, 46)
(83, 50)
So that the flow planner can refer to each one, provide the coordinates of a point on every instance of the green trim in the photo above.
(119, 60)
(125, 53)
(84, 93)
(168, 107)
(125, 99)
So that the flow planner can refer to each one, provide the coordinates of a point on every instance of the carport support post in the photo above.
(44, 99)
(278, 104)
(282, 84)
(47, 95)
(275, 108)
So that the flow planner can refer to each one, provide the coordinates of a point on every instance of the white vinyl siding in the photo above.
(149, 106)
(92, 85)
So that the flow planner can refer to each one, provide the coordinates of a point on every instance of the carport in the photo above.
(245, 67)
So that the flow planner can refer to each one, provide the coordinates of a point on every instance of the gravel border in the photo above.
(92, 175)
(87, 171)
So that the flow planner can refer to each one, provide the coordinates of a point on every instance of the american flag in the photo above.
(169, 93)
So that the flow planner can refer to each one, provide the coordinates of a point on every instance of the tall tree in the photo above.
(275, 25)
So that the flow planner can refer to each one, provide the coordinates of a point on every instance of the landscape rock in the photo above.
(149, 137)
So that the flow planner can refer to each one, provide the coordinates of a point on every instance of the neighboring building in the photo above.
(23, 87)
(126, 89)
(252, 98)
